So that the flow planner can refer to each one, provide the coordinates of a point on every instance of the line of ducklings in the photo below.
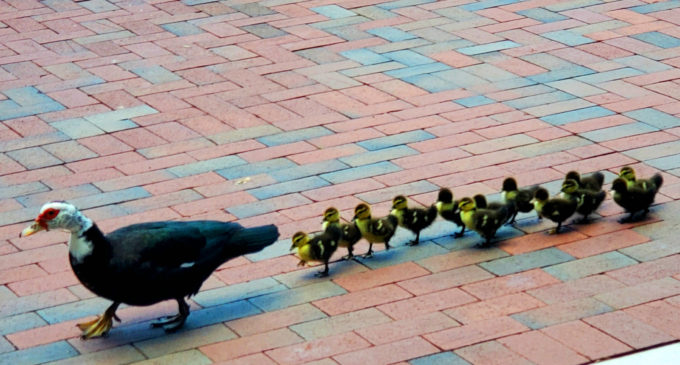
(579, 195)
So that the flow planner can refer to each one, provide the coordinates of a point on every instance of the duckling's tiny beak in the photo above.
(36, 227)
(292, 247)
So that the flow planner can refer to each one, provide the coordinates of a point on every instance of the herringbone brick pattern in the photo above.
(271, 111)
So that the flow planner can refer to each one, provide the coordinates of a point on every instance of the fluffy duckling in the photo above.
(587, 201)
(374, 230)
(483, 221)
(519, 200)
(627, 173)
(350, 232)
(482, 203)
(448, 209)
(319, 247)
(592, 182)
(557, 210)
(636, 198)
(413, 219)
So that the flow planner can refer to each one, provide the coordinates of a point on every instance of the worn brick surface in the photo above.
(268, 112)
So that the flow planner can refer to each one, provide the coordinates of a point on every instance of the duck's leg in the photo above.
(556, 229)
(173, 323)
(459, 234)
(100, 326)
(369, 253)
(324, 273)
(415, 241)
(350, 253)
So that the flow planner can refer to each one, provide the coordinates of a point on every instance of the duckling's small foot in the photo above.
(348, 257)
(412, 243)
(367, 255)
(458, 234)
(321, 274)
(626, 219)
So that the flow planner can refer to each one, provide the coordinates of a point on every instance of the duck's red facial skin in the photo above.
(45, 216)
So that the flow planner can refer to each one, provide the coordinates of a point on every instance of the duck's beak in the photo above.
(37, 226)
(292, 247)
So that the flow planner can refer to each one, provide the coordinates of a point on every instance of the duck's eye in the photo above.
(51, 213)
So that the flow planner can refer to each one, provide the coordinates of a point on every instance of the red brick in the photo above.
(604, 243)
(460, 258)
(361, 299)
(389, 353)
(538, 240)
(32, 256)
(270, 321)
(176, 148)
(105, 144)
(586, 340)
(83, 178)
(659, 314)
(541, 349)
(598, 163)
(640, 293)
(107, 161)
(640, 140)
(575, 289)
(628, 329)
(161, 214)
(155, 164)
(181, 183)
(41, 284)
(215, 203)
(510, 284)
(494, 308)
(647, 271)
(46, 334)
(406, 328)
(426, 303)
(378, 277)
(457, 337)
(445, 280)
(254, 359)
(318, 349)
(257, 270)
(139, 138)
(21, 273)
(491, 353)
(343, 189)
(276, 151)
(232, 349)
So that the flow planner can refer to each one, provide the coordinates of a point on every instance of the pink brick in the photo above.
(257, 270)
(575, 289)
(214, 203)
(106, 161)
(628, 329)
(491, 353)
(538, 240)
(386, 275)
(426, 303)
(460, 258)
(598, 163)
(389, 353)
(586, 340)
(457, 337)
(32, 256)
(46, 283)
(328, 154)
(232, 349)
(421, 159)
(181, 183)
(647, 271)
(641, 140)
(46, 334)
(448, 141)
(254, 359)
(276, 151)
(361, 299)
(343, 189)
(510, 284)
(318, 349)
(541, 349)
(265, 322)
(659, 314)
(342, 138)
(445, 280)
(494, 308)
(21, 273)
(406, 328)
(604, 243)
(83, 178)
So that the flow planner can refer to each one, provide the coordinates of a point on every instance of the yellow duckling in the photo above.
(636, 198)
(413, 219)
(350, 231)
(592, 182)
(587, 201)
(374, 230)
(483, 221)
(319, 247)
(518, 200)
(557, 210)
(448, 209)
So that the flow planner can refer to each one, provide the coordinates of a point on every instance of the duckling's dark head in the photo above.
(466, 204)
(541, 194)
(569, 186)
(331, 214)
(362, 211)
(627, 173)
(574, 175)
(445, 195)
(399, 202)
(299, 239)
(480, 201)
(509, 184)
(619, 185)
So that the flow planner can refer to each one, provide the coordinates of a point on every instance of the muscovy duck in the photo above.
(145, 263)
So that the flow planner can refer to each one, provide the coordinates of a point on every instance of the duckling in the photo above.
(448, 209)
(627, 173)
(483, 221)
(587, 201)
(519, 200)
(482, 203)
(374, 230)
(557, 210)
(350, 232)
(413, 219)
(319, 247)
(636, 198)
(593, 182)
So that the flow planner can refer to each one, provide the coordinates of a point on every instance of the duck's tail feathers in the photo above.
(657, 179)
(254, 239)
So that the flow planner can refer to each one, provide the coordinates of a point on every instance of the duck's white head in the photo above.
(58, 215)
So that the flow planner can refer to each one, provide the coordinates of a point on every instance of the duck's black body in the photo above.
(146, 263)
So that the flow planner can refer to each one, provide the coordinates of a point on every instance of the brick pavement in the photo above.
(270, 111)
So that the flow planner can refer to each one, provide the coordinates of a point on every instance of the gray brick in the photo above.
(213, 164)
(288, 298)
(39, 354)
(526, 261)
(590, 265)
(77, 128)
(293, 186)
(232, 293)
(34, 158)
(20, 322)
